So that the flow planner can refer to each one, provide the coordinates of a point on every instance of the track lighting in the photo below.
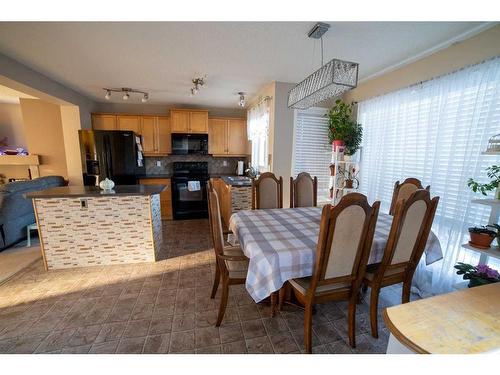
(197, 84)
(126, 93)
(241, 102)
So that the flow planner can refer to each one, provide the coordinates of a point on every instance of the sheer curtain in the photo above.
(258, 134)
(435, 131)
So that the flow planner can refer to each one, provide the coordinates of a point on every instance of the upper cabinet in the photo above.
(129, 122)
(103, 122)
(156, 135)
(227, 137)
(189, 121)
(237, 139)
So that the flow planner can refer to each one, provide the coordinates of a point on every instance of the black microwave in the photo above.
(183, 144)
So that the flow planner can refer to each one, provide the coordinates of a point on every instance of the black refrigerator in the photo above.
(114, 154)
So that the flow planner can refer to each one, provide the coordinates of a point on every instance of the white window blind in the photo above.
(435, 131)
(311, 150)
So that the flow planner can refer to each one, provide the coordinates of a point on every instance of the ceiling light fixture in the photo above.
(197, 84)
(126, 93)
(331, 80)
(241, 102)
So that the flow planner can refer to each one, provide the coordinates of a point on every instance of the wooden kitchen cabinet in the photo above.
(148, 128)
(103, 122)
(237, 139)
(198, 122)
(165, 195)
(156, 135)
(164, 135)
(227, 137)
(130, 123)
(189, 121)
(217, 136)
(180, 121)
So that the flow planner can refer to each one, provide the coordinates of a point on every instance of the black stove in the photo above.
(189, 193)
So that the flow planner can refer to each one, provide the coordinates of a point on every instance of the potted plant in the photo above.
(497, 228)
(493, 174)
(342, 129)
(477, 275)
(481, 237)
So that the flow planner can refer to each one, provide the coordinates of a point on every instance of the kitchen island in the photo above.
(235, 194)
(82, 226)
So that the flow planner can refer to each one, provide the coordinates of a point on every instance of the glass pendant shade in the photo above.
(331, 80)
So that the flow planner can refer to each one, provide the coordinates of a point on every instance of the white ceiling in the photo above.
(163, 57)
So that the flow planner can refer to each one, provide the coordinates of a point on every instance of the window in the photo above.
(258, 134)
(311, 151)
(435, 131)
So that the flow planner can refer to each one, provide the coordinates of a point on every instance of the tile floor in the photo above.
(163, 308)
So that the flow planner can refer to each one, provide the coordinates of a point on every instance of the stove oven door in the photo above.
(188, 201)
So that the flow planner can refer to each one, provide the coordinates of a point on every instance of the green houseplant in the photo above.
(341, 127)
(493, 174)
(477, 275)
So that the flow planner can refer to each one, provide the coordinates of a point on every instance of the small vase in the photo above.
(107, 184)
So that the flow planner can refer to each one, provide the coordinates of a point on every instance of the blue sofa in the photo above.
(16, 212)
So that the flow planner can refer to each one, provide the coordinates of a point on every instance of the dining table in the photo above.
(281, 245)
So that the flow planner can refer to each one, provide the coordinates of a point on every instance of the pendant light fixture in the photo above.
(331, 80)
(126, 91)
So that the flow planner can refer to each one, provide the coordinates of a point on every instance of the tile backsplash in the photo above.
(215, 165)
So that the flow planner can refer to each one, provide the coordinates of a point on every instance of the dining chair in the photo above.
(267, 191)
(344, 243)
(408, 235)
(231, 262)
(303, 191)
(404, 190)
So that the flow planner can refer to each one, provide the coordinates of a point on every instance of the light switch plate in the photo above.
(224, 163)
(158, 163)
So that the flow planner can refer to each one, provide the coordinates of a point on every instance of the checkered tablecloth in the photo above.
(281, 245)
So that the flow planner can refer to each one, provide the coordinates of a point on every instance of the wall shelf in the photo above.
(493, 251)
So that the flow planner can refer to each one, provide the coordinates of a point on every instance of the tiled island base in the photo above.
(109, 230)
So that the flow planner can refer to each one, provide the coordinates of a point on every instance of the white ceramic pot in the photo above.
(106, 184)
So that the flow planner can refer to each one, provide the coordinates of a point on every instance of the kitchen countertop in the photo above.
(465, 321)
(147, 176)
(92, 191)
(247, 183)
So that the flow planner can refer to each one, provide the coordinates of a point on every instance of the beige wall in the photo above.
(44, 135)
(470, 51)
(70, 121)
(11, 124)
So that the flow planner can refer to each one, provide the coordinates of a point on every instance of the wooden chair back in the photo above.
(210, 189)
(267, 191)
(303, 191)
(344, 242)
(216, 226)
(408, 236)
(404, 190)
